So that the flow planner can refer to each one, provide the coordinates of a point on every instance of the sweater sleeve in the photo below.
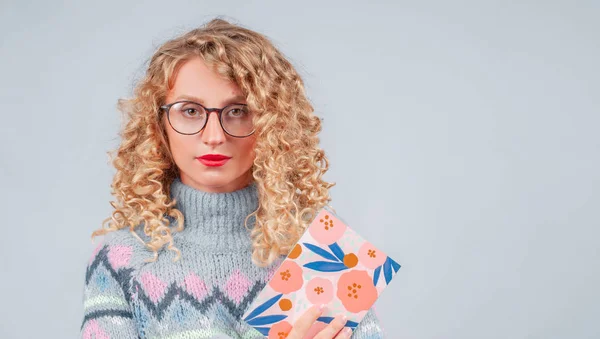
(369, 327)
(106, 308)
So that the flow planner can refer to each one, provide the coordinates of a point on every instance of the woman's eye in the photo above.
(237, 112)
(190, 111)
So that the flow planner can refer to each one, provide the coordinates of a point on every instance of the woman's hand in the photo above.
(304, 323)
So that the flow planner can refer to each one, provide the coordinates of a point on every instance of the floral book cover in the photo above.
(331, 264)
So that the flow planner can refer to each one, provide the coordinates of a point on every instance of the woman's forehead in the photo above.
(196, 82)
(233, 98)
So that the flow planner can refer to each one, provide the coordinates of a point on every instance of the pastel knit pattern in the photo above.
(202, 295)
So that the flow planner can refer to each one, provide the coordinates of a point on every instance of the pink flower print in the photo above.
(326, 229)
(288, 278)
(370, 256)
(280, 330)
(356, 291)
(319, 291)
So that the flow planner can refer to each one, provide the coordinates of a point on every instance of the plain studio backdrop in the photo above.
(463, 138)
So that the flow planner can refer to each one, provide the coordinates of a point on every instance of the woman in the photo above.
(208, 204)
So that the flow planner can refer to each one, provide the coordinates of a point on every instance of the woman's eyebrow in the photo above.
(234, 99)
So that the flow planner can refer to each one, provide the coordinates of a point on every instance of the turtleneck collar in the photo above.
(215, 221)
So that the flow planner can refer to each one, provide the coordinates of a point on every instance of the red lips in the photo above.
(214, 157)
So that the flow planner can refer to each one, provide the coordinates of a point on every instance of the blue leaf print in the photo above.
(263, 330)
(387, 270)
(266, 320)
(326, 266)
(335, 248)
(318, 250)
(325, 319)
(376, 275)
(263, 307)
(349, 323)
(395, 265)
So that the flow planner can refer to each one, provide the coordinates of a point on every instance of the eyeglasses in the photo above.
(188, 117)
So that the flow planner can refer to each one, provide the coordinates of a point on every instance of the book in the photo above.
(330, 264)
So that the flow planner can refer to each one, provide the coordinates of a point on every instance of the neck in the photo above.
(215, 220)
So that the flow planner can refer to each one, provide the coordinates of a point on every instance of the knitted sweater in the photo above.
(202, 295)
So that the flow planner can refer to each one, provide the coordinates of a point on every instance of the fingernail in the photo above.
(322, 307)
(344, 318)
(347, 332)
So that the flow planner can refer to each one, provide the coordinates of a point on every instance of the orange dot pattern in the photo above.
(350, 260)
(327, 223)
(285, 275)
(295, 253)
(371, 253)
(319, 290)
(285, 304)
(353, 290)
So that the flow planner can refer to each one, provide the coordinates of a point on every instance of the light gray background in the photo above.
(463, 138)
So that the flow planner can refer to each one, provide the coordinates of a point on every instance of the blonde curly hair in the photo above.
(288, 167)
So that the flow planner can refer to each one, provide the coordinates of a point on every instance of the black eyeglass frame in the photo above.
(167, 108)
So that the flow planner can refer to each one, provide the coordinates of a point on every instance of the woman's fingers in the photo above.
(303, 324)
(346, 333)
(331, 331)
(335, 329)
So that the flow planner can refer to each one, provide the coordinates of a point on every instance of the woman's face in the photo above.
(196, 82)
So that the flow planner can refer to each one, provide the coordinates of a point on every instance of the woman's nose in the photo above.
(213, 132)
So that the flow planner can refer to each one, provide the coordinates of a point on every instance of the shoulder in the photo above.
(118, 249)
